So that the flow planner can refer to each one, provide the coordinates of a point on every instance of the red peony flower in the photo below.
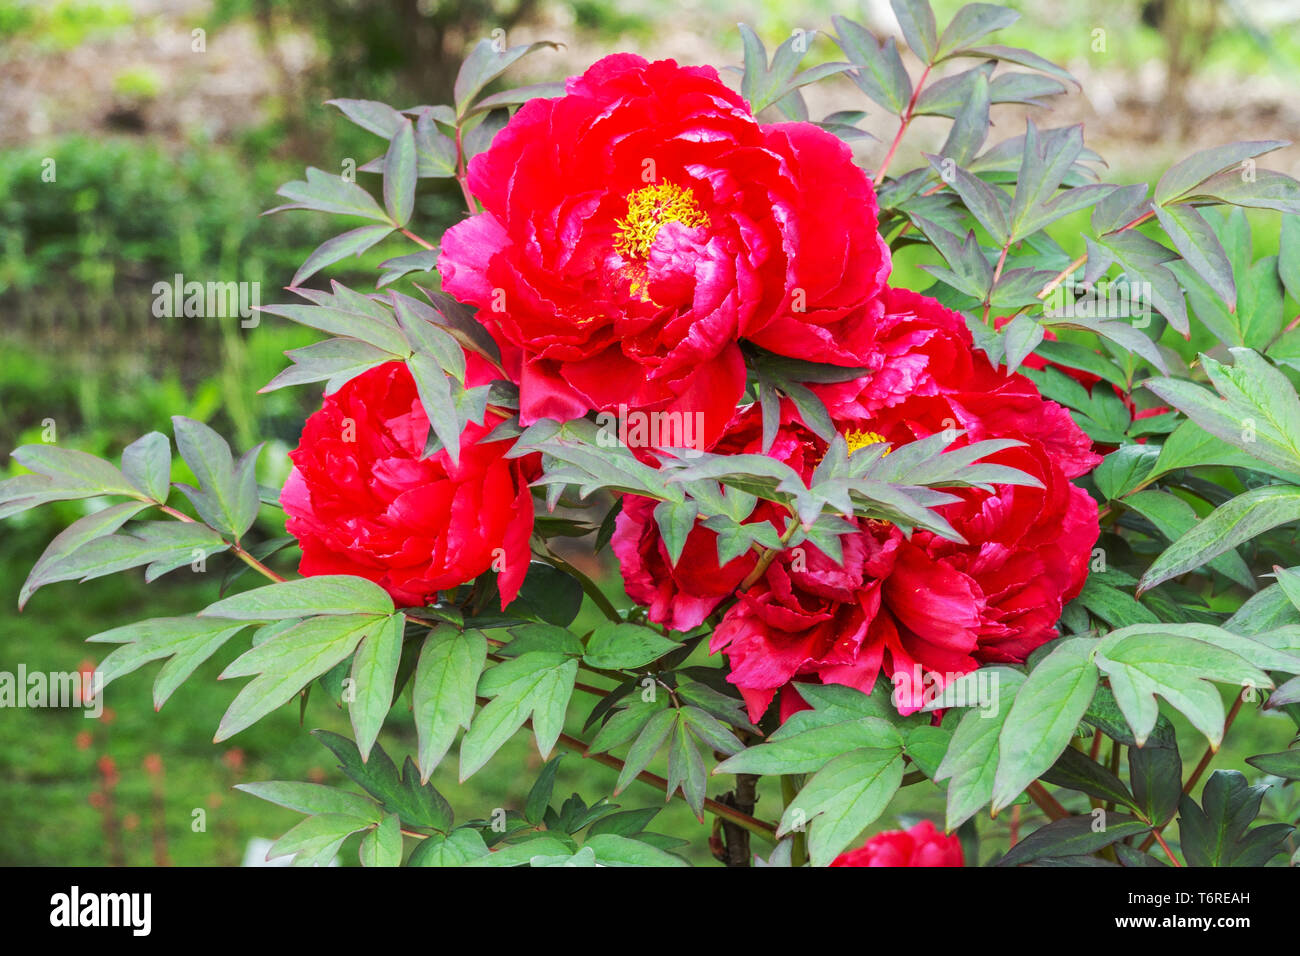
(635, 228)
(362, 501)
(922, 845)
(925, 608)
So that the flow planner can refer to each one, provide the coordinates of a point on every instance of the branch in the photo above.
(904, 121)
(244, 556)
(1046, 802)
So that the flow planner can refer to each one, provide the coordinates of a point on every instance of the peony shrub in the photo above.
(1000, 545)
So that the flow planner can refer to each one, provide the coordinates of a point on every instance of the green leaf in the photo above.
(973, 21)
(378, 118)
(1216, 832)
(1115, 607)
(613, 646)
(1144, 660)
(539, 797)
(227, 495)
(147, 464)
(627, 722)
(686, 766)
(1143, 261)
(927, 746)
(1020, 337)
(400, 164)
(75, 470)
(437, 397)
(1157, 775)
(435, 152)
(80, 532)
(456, 849)
(1124, 469)
(443, 698)
(972, 757)
(1105, 715)
(1047, 159)
(1185, 176)
(539, 684)
(710, 731)
(1288, 255)
(190, 639)
(517, 96)
(1047, 708)
(416, 804)
(810, 750)
(1174, 517)
(162, 545)
(326, 192)
(612, 849)
(348, 314)
(313, 798)
(1284, 764)
(843, 799)
(1076, 771)
(675, 519)
(764, 86)
(1263, 611)
(543, 850)
(989, 205)
(335, 361)
(1263, 189)
(374, 673)
(970, 127)
(323, 594)
(315, 840)
(916, 19)
(1193, 237)
(1189, 445)
(1235, 522)
(423, 330)
(548, 595)
(423, 260)
(382, 846)
(880, 74)
(483, 65)
(351, 243)
(288, 662)
(651, 737)
(1073, 836)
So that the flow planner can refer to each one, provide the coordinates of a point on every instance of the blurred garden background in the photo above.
(141, 139)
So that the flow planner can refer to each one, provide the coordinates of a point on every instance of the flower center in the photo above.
(859, 438)
(649, 208)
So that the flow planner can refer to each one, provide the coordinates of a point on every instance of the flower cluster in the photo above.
(896, 603)
(635, 234)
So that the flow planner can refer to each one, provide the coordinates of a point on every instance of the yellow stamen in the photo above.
(648, 209)
(859, 438)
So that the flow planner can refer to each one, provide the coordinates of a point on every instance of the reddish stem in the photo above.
(904, 121)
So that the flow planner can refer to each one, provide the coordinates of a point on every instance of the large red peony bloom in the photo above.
(362, 501)
(922, 845)
(635, 228)
(910, 608)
